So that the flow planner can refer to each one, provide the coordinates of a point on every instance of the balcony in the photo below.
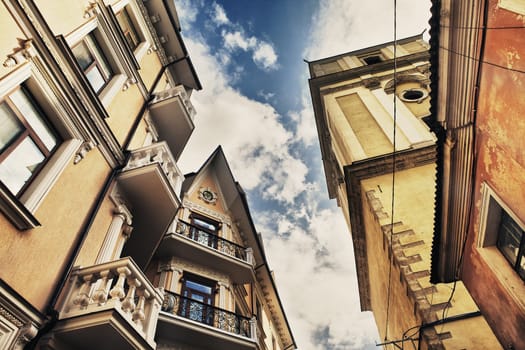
(172, 112)
(192, 243)
(151, 182)
(109, 306)
(188, 320)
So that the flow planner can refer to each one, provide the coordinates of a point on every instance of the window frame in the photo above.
(489, 234)
(19, 210)
(28, 132)
(140, 26)
(119, 78)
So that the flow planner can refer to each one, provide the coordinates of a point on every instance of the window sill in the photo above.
(509, 278)
(20, 210)
(112, 89)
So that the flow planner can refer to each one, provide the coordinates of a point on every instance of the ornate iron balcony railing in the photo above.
(213, 241)
(210, 315)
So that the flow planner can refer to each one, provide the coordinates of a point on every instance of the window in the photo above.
(372, 59)
(26, 139)
(198, 299)
(204, 230)
(128, 29)
(501, 229)
(93, 62)
(38, 140)
(511, 243)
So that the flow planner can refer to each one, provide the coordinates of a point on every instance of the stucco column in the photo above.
(176, 275)
(223, 288)
(121, 216)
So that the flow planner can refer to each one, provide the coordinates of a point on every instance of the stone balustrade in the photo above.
(117, 285)
(177, 91)
(160, 153)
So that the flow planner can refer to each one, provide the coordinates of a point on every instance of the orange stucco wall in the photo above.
(500, 165)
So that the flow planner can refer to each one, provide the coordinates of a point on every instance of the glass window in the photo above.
(130, 33)
(26, 140)
(511, 243)
(93, 62)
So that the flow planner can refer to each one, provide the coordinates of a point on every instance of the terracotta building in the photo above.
(379, 154)
(104, 243)
(478, 52)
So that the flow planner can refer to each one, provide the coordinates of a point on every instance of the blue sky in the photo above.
(255, 102)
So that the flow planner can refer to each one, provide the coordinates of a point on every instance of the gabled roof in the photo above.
(237, 204)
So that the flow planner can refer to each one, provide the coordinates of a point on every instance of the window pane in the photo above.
(34, 117)
(10, 126)
(102, 61)
(509, 237)
(198, 287)
(204, 224)
(20, 165)
(95, 78)
(128, 29)
(83, 56)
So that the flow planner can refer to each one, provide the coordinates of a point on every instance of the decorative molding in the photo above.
(225, 219)
(21, 54)
(208, 195)
(83, 150)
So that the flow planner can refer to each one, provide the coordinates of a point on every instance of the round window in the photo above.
(413, 95)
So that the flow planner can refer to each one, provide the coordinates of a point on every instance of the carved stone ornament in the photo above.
(207, 195)
(21, 54)
(84, 149)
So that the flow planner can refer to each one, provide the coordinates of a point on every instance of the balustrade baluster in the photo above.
(139, 315)
(118, 292)
(128, 305)
(101, 294)
(82, 297)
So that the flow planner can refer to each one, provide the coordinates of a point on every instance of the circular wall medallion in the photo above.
(207, 195)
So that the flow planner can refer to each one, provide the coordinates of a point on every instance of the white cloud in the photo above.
(346, 25)
(219, 14)
(248, 130)
(263, 53)
(235, 40)
(264, 56)
(321, 261)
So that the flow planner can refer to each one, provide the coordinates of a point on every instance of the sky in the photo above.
(255, 103)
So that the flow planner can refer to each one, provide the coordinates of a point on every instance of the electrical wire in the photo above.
(481, 61)
(390, 252)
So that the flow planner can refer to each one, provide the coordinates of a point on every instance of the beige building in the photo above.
(104, 242)
(372, 108)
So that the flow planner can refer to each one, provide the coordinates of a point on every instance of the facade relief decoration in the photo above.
(20, 54)
(208, 195)
(225, 219)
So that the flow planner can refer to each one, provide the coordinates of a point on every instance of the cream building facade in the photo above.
(100, 243)
(372, 113)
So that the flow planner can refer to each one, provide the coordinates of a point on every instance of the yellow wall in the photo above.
(412, 295)
(150, 67)
(36, 257)
(63, 16)
(123, 111)
(8, 42)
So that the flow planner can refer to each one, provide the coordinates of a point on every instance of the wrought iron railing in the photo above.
(210, 315)
(213, 241)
